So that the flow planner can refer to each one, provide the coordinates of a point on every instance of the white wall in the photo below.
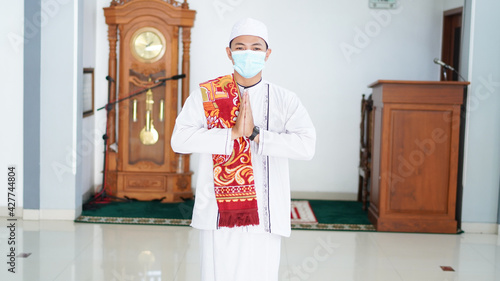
(60, 116)
(452, 4)
(61, 111)
(88, 123)
(11, 107)
(482, 148)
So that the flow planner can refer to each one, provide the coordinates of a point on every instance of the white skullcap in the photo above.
(249, 26)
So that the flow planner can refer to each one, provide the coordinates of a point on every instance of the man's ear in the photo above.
(268, 53)
(229, 55)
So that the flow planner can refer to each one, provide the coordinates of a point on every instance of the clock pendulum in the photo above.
(149, 135)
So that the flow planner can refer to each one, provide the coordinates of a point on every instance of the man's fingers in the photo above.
(245, 117)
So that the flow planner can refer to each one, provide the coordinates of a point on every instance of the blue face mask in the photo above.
(248, 63)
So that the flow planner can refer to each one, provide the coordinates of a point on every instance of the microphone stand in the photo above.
(109, 105)
(444, 73)
(101, 196)
(452, 69)
(459, 74)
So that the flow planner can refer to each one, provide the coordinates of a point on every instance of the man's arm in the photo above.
(191, 135)
(297, 141)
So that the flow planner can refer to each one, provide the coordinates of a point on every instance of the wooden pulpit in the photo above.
(415, 155)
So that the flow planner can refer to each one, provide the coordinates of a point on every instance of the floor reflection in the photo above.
(67, 251)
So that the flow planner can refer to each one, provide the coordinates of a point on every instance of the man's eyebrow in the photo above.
(253, 44)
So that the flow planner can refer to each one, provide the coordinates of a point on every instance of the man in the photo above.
(245, 129)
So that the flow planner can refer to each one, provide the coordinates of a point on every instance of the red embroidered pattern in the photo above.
(233, 174)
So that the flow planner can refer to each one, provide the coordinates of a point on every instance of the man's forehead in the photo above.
(249, 39)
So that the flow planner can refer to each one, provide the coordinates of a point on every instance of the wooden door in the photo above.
(452, 34)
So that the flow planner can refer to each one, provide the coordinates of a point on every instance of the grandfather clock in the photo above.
(147, 33)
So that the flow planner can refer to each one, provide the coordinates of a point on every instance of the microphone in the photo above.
(110, 79)
(441, 63)
(175, 77)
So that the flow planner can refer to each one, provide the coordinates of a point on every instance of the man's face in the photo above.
(248, 42)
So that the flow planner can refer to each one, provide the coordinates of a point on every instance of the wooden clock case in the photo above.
(135, 170)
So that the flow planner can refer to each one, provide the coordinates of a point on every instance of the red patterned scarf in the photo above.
(233, 174)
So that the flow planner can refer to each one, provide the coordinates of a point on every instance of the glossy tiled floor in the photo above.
(67, 251)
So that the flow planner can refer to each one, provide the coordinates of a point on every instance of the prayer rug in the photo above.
(301, 212)
(330, 215)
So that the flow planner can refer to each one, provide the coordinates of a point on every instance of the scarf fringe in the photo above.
(238, 218)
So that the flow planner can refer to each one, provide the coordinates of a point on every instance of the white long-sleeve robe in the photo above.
(288, 133)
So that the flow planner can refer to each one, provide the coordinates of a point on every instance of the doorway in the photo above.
(452, 34)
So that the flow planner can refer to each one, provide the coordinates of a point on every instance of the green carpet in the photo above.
(331, 215)
(338, 215)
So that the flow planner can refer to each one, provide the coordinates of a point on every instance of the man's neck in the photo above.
(247, 82)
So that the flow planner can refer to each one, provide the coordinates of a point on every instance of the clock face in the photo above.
(148, 44)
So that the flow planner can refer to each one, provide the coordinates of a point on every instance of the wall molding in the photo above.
(324, 195)
(48, 214)
(482, 228)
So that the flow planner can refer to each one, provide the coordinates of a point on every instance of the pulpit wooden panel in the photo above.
(416, 141)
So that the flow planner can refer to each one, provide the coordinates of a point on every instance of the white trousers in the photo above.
(228, 255)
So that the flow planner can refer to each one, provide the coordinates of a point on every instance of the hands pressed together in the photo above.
(244, 122)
